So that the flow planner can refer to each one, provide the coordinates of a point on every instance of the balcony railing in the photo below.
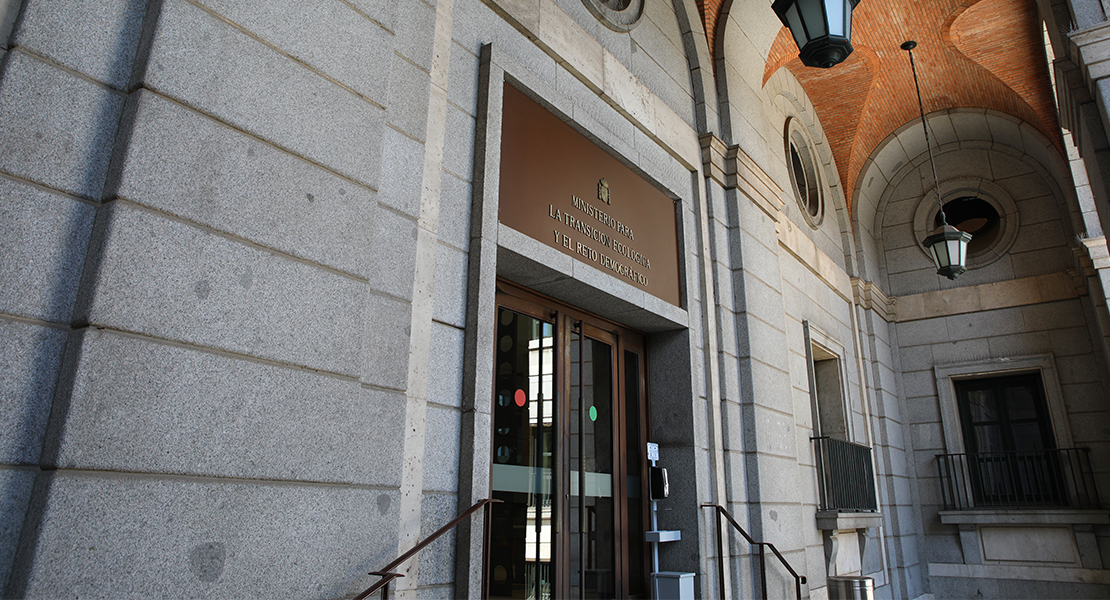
(845, 475)
(1058, 478)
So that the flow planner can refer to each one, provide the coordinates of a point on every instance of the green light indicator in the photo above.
(593, 413)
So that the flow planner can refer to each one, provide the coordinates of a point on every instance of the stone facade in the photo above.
(250, 261)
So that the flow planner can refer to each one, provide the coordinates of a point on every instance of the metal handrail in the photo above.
(720, 510)
(386, 572)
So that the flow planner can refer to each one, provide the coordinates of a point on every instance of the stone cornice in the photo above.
(743, 174)
(733, 169)
(868, 296)
(1093, 45)
(713, 152)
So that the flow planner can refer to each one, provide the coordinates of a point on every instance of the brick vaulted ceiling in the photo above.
(971, 54)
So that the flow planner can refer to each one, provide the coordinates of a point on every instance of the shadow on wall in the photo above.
(79, 234)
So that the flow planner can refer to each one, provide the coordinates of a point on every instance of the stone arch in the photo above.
(968, 145)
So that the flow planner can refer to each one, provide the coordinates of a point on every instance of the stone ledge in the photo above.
(1023, 572)
(1038, 289)
(1024, 517)
(831, 520)
(806, 251)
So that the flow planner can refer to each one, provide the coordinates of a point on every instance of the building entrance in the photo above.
(569, 427)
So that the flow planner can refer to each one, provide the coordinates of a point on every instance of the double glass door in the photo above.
(568, 431)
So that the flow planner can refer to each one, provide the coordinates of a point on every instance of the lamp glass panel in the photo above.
(794, 22)
(848, 19)
(933, 254)
(954, 251)
(813, 15)
(941, 254)
(837, 22)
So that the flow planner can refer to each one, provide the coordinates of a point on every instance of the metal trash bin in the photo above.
(673, 585)
(851, 588)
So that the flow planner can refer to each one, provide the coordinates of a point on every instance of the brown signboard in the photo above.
(560, 188)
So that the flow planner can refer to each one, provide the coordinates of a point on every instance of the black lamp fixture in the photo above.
(821, 28)
(947, 245)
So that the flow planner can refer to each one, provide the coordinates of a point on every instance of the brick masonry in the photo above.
(971, 53)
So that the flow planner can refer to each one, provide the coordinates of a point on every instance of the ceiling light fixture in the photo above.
(947, 245)
(821, 28)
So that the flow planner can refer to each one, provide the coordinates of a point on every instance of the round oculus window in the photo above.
(974, 206)
(976, 216)
(804, 176)
(618, 15)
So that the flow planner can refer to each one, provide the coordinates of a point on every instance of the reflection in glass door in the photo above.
(520, 558)
(569, 423)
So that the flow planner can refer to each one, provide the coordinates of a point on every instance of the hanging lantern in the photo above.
(948, 247)
(821, 28)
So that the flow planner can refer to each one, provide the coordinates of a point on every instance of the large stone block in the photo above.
(175, 281)
(1084, 398)
(773, 432)
(454, 211)
(475, 25)
(408, 97)
(659, 38)
(756, 260)
(402, 173)
(43, 239)
(1057, 259)
(331, 37)
(29, 359)
(379, 11)
(437, 560)
(56, 129)
(450, 286)
(141, 406)
(445, 369)
(13, 506)
(651, 71)
(765, 341)
(1037, 342)
(416, 31)
(212, 66)
(460, 135)
(919, 384)
(141, 537)
(386, 351)
(394, 254)
(441, 449)
(242, 186)
(925, 331)
(462, 85)
(98, 39)
(959, 352)
(1053, 315)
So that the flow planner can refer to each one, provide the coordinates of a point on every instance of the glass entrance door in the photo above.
(568, 432)
(592, 519)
